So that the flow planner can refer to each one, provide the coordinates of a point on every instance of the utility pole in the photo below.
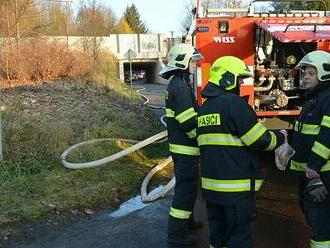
(172, 38)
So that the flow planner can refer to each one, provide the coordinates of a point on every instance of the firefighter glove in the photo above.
(316, 190)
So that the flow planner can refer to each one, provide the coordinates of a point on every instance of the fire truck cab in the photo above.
(270, 43)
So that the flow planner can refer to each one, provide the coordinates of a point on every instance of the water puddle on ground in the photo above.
(133, 204)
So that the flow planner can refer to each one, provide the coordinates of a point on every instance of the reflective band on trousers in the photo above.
(192, 134)
(240, 185)
(273, 142)
(222, 139)
(253, 134)
(180, 214)
(298, 166)
(186, 150)
(310, 129)
(186, 115)
(169, 113)
(320, 244)
(325, 121)
(321, 150)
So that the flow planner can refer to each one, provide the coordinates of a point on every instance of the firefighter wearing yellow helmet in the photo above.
(181, 126)
(229, 136)
(311, 142)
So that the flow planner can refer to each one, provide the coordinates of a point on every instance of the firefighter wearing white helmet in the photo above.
(311, 142)
(181, 126)
(229, 136)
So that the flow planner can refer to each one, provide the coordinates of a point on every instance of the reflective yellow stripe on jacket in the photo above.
(192, 134)
(180, 214)
(309, 129)
(230, 185)
(320, 244)
(298, 166)
(273, 142)
(186, 115)
(321, 150)
(169, 113)
(326, 121)
(224, 139)
(253, 134)
(185, 150)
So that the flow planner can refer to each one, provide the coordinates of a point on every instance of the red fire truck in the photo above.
(270, 43)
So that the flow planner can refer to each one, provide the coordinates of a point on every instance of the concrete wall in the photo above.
(144, 45)
(149, 48)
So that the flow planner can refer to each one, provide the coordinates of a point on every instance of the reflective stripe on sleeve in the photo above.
(253, 134)
(185, 150)
(169, 113)
(186, 115)
(230, 185)
(221, 139)
(320, 244)
(321, 150)
(180, 214)
(273, 142)
(326, 167)
(298, 166)
(326, 121)
(192, 134)
(309, 129)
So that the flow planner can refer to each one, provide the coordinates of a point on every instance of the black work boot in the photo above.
(178, 233)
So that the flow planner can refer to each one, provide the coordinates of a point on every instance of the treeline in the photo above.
(27, 56)
(31, 18)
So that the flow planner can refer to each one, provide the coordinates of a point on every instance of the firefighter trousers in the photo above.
(318, 217)
(232, 226)
(186, 183)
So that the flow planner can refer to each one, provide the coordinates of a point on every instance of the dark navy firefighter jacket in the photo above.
(311, 136)
(181, 116)
(229, 136)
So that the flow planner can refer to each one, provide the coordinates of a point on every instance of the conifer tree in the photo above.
(132, 17)
(123, 27)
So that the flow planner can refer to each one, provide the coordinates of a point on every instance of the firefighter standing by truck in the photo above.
(229, 136)
(181, 126)
(311, 142)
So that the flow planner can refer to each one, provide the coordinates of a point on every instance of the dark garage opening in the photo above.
(143, 71)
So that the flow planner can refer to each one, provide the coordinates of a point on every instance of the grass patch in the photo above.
(41, 121)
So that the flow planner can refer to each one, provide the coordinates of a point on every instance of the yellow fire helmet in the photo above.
(224, 73)
(320, 60)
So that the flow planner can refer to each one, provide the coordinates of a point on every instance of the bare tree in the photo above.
(93, 22)
(22, 16)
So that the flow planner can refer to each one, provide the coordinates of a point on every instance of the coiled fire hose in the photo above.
(145, 197)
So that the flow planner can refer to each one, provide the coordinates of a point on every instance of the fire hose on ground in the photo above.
(158, 138)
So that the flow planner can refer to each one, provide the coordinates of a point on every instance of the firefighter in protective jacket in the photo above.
(229, 136)
(181, 126)
(311, 142)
